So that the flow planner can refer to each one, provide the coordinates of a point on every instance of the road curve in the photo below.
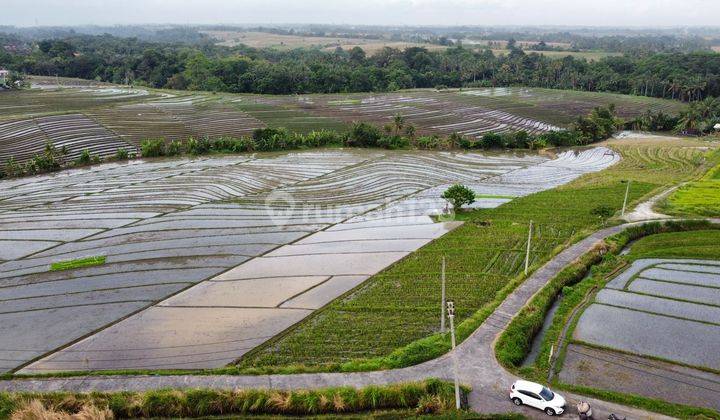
(476, 357)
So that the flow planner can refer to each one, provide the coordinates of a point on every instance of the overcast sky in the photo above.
(380, 12)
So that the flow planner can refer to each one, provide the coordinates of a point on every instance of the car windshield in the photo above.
(547, 394)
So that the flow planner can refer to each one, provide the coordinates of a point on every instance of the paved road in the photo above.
(476, 358)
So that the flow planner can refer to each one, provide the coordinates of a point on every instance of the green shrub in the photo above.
(563, 138)
(459, 195)
(84, 158)
(198, 147)
(269, 139)
(493, 141)
(363, 134)
(323, 138)
(152, 148)
(50, 160)
(393, 142)
(174, 148)
(428, 142)
(122, 154)
(13, 169)
(241, 145)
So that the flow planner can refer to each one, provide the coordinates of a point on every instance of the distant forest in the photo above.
(197, 64)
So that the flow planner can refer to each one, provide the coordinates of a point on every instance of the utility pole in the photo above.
(442, 299)
(527, 251)
(451, 315)
(627, 192)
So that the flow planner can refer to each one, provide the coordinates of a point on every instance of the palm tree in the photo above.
(690, 118)
(708, 107)
(398, 123)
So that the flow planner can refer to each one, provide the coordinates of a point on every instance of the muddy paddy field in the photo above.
(204, 259)
(100, 118)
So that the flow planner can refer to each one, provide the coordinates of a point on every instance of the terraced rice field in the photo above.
(204, 259)
(654, 329)
(103, 118)
(657, 301)
(399, 305)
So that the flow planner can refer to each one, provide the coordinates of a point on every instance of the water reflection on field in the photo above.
(210, 257)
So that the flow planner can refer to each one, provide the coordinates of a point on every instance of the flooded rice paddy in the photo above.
(664, 308)
(207, 258)
(78, 115)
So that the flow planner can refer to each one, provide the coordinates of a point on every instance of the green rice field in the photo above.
(701, 197)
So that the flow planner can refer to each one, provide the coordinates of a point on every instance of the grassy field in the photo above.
(701, 197)
(400, 305)
(288, 42)
(700, 244)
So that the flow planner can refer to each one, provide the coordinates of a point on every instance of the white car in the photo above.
(538, 396)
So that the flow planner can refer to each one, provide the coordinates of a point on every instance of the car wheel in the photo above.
(549, 411)
(517, 401)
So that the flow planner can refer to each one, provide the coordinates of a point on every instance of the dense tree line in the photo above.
(687, 77)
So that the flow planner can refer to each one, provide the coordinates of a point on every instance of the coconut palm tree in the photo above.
(398, 123)
(690, 118)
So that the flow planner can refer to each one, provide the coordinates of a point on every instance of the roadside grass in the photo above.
(392, 320)
(701, 197)
(418, 398)
(78, 263)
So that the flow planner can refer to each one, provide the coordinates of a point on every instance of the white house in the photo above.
(717, 126)
(3, 76)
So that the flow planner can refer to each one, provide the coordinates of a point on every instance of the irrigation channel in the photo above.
(204, 259)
